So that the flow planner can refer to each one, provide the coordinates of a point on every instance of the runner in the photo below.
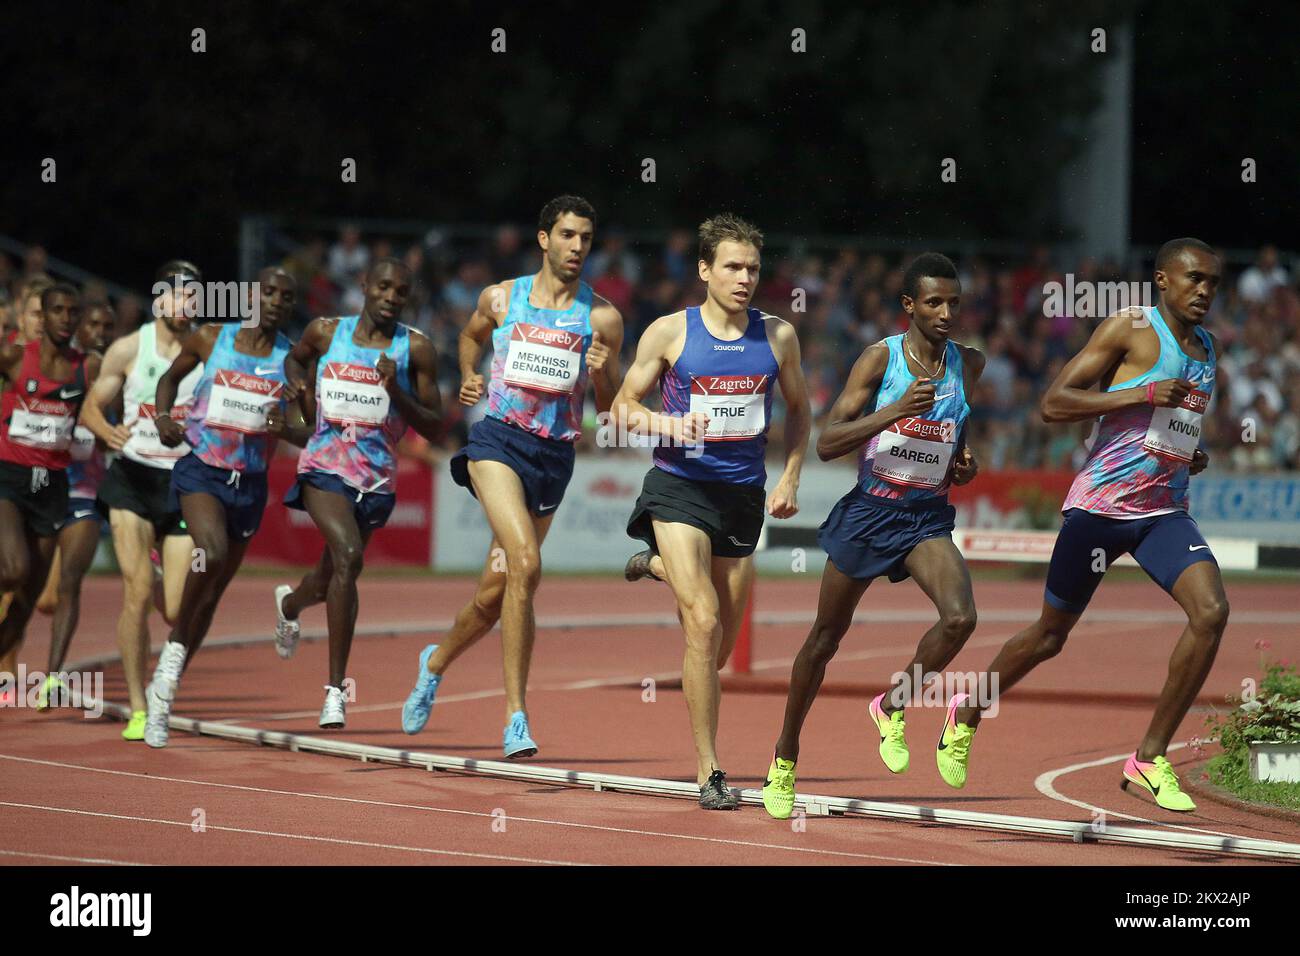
(134, 491)
(236, 418)
(896, 521)
(79, 536)
(45, 383)
(1156, 371)
(373, 376)
(701, 507)
(520, 457)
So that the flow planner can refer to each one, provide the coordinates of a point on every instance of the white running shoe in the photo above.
(331, 715)
(286, 631)
(161, 692)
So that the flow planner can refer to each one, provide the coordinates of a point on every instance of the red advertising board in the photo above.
(1012, 499)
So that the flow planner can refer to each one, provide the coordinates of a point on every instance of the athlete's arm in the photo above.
(626, 412)
(845, 431)
(286, 423)
(602, 354)
(1201, 458)
(783, 502)
(105, 391)
(493, 304)
(965, 466)
(196, 348)
(1071, 397)
(300, 365)
(422, 406)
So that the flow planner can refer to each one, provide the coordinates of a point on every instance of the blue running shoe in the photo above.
(517, 741)
(415, 712)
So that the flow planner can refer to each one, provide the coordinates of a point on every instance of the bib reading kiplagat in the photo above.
(735, 404)
(547, 360)
(915, 452)
(353, 394)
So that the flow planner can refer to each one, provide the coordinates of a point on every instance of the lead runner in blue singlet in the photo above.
(905, 407)
(702, 504)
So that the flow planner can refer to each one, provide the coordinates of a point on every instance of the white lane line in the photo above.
(1043, 783)
(467, 813)
(291, 836)
(70, 859)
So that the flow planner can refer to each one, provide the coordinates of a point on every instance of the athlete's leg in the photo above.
(40, 554)
(177, 558)
(15, 566)
(312, 589)
(500, 490)
(1199, 591)
(836, 603)
(133, 536)
(733, 582)
(49, 598)
(76, 552)
(332, 513)
(686, 553)
(216, 558)
(941, 573)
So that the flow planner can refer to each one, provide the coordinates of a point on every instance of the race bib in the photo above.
(352, 394)
(547, 360)
(42, 423)
(83, 444)
(1176, 432)
(915, 452)
(240, 401)
(144, 434)
(736, 405)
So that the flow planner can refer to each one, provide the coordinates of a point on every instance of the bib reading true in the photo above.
(42, 423)
(1175, 432)
(353, 394)
(241, 402)
(547, 360)
(736, 405)
(915, 452)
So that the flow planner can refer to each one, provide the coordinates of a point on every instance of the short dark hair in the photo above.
(1175, 247)
(177, 267)
(933, 264)
(58, 288)
(558, 206)
(727, 227)
(393, 261)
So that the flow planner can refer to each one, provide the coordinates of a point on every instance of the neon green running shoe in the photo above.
(52, 682)
(1158, 779)
(953, 753)
(135, 726)
(778, 789)
(893, 748)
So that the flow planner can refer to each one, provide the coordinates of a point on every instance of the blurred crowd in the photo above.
(841, 300)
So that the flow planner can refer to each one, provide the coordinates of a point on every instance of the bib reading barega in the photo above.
(42, 423)
(915, 452)
(241, 402)
(547, 360)
(1175, 432)
(735, 405)
(144, 434)
(353, 393)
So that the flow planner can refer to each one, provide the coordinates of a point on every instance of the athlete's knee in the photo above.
(488, 598)
(958, 622)
(824, 639)
(699, 614)
(214, 550)
(524, 568)
(1209, 615)
(348, 560)
(1050, 641)
(13, 571)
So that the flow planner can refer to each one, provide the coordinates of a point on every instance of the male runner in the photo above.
(220, 487)
(373, 376)
(701, 508)
(896, 521)
(79, 536)
(520, 457)
(135, 489)
(1156, 370)
(45, 384)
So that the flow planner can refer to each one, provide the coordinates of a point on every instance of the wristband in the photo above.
(1151, 393)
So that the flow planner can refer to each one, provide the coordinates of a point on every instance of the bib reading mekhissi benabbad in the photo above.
(548, 360)
(735, 404)
(351, 393)
(1176, 432)
(915, 452)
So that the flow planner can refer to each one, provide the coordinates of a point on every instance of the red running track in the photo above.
(72, 790)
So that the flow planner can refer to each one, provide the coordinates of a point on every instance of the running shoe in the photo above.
(517, 741)
(332, 715)
(135, 726)
(778, 788)
(161, 692)
(953, 753)
(415, 712)
(638, 566)
(716, 795)
(893, 746)
(286, 631)
(1157, 778)
(53, 683)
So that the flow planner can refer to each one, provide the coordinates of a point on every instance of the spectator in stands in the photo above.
(1258, 282)
(349, 257)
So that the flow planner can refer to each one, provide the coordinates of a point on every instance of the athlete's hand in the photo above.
(170, 432)
(118, 438)
(275, 421)
(597, 354)
(1171, 392)
(917, 399)
(1200, 460)
(293, 387)
(783, 501)
(689, 429)
(387, 370)
(965, 468)
(471, 389)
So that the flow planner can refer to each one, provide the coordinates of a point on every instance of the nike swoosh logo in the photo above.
(548, 507)
(944, 395)
(249, 534)
(565, 325)
(67, 396)
(1197, 547)
(258, 370)
(82, 514)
